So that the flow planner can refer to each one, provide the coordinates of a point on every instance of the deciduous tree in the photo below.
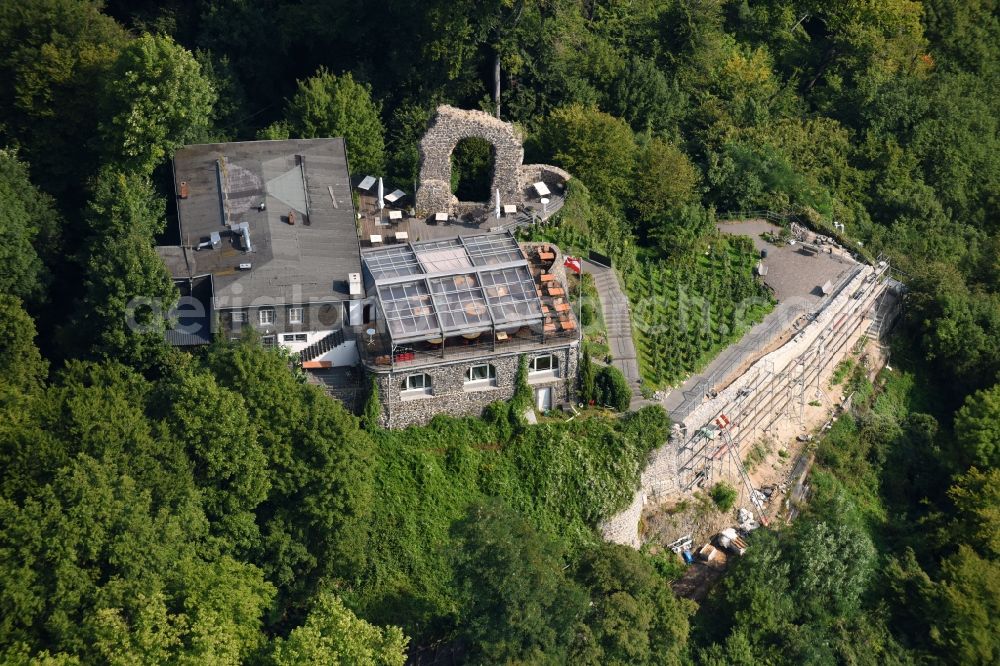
(977, 426)
(326, 105)
(332, 634)
(519, 604)
(155, 100)
(595, 147)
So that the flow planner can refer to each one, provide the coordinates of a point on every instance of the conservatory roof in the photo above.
(432, 289)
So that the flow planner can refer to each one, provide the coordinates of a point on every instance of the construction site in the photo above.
(750, 418)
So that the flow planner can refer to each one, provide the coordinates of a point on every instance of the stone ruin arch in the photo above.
(449, 126)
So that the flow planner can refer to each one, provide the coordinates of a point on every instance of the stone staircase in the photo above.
(322, 346)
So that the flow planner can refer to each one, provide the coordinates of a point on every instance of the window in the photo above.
(266, 316)
(547, 363)
(239, 316)
(416, 385)
(481, 375)
(294, 315)
(294, 337)
(268, 340)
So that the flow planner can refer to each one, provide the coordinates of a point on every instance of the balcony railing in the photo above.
(378, 353)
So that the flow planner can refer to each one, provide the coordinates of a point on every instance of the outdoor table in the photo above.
(440, 217)
(562, 307)
(402, 236)
(395, 215)
(475, 309)
(547, 277)
(375, 239)
(556, 291)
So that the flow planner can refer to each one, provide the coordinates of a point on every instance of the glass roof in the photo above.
(460, 303)
(453, 287)
(442, 258)
(492, 249)
(511, 294)
(409, 309)
(392, 261)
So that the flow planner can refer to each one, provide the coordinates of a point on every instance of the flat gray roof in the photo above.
(220, 187)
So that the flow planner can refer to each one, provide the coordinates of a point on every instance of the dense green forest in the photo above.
(158, 506)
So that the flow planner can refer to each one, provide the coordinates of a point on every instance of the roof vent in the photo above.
(184, 190)
(354, 284)
(213, 242)
(244, 230)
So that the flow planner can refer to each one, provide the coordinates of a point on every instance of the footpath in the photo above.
(618, 320)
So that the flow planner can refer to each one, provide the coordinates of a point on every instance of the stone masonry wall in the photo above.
(449, 394)
(449, 126)
(529, 174)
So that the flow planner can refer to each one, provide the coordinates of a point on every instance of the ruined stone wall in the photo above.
(529, 174)
(450, 395)
(449, 126)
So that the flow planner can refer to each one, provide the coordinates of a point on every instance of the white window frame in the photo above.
(239, 316)
(269, 319)
(553, 360)
(487, 379)
(295, 315)
(413, 389)
(294, 337)
(269, 340)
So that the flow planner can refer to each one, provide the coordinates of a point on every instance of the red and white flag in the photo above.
(574, 264)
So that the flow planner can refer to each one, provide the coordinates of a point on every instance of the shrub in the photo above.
(587, 314)
(757, 454)
(371, 413)
(521, 401)
(612, 389)
(587, 378)
(724, 496)
(500, 415)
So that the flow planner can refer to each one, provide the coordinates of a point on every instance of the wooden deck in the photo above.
(372, 223)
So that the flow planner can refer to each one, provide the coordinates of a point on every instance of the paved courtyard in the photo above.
(791, 271)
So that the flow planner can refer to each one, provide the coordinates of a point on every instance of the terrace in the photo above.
(461, 298)
(466, 219)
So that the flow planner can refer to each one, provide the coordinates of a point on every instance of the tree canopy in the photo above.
(212, 506)
(328, 105)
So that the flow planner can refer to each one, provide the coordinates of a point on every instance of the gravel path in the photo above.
(618, 319)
